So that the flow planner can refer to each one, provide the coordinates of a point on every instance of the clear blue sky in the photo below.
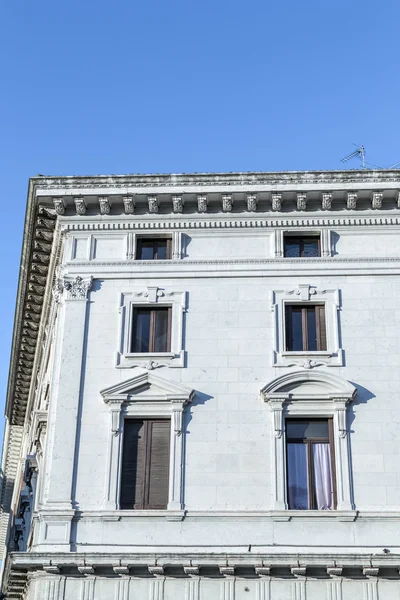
(173, 86)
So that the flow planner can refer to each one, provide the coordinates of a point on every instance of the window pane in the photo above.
(161, 249)
(146, 250)
(311, 329)
(323, 493)
(305, 430)
(141, 331)
(292, 247)
(161, 331)
(297, 476)
(296, 329)
(311, 247)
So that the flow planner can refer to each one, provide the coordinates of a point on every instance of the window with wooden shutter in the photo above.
(305, 327)
(145, 464)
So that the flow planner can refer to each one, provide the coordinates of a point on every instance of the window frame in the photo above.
(320, 337)
(155, 241)
(310, 472)
(310, 395)
(325, 242)
(306, 295)
(153, 323)
(150, 298)
(300, 237)
(146, 396)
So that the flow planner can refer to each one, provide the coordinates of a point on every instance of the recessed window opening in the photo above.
(145, 464)
(305, 327)
(302, 246)
(310, 464)
(151, 330)
(153, 249)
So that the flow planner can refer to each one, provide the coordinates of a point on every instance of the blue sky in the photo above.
(134, 87)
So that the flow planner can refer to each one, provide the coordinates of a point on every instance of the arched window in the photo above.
(311, 458)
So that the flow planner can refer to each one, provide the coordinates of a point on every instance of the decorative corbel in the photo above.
(251, 202)
(377, 198)
(177, 204)
(153, 204)
(276, 405)
(301, 201)
(59, 205)
(129, 205)
(326, 201)
(105, 205)
(80, 206)
(351, 200)
(227, 202)
(202, 202)
(177, 412)
(276, 201)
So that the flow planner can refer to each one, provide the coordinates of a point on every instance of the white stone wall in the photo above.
(229, 334)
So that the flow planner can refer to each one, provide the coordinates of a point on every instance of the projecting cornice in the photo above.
(221, 192)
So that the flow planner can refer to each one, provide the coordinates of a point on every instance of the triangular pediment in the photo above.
(147, 387)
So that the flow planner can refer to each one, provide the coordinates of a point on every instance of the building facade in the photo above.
(204, 392)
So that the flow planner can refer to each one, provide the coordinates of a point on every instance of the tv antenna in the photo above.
(360, 152)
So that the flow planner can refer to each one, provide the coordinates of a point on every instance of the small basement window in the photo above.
(305, 327)
(153, 248)
(301, 246)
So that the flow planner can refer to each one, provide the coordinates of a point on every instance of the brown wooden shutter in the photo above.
(321, 327)
(157, 472)
(133, 465)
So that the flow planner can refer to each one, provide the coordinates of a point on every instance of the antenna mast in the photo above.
(359, 152)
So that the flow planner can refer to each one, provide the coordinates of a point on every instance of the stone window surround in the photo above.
(324, 236)
(166, 400)
(151, 296)
(303, 294)
(290, 396)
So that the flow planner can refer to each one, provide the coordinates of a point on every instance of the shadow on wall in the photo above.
(199, 400)
(335, 237)
(363, 396)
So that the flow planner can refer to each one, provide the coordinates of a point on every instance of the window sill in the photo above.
(117, 515)
(150, 360)
(336, 515)
(307, 353)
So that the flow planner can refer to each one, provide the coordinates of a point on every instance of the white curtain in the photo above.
(323, 476)
(297, 476)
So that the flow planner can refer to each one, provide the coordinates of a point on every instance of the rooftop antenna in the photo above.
(359, 152)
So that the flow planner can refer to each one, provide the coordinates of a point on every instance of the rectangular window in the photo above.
(153, 249)
(310, 460)
(151, 330)
(305, 246)
(145, 464)
(305, 327)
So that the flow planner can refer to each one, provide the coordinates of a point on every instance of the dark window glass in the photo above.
(153, 249)
(310, 476)
(141, 337)
(151, 330)
(301, 246)
(305, 328)
(161, 331)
